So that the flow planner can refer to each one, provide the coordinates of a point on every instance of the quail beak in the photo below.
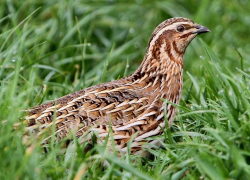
(200, 29)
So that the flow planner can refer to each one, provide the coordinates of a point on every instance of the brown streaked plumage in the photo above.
(129, 105)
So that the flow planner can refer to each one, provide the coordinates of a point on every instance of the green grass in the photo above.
(51, 48)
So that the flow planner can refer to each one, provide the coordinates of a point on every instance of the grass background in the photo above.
(51, 48)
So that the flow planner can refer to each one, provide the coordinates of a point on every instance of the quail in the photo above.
(129, 107)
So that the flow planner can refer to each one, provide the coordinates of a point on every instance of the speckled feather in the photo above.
(129, 105)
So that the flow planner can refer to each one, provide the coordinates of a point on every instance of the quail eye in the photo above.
(180, 28)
